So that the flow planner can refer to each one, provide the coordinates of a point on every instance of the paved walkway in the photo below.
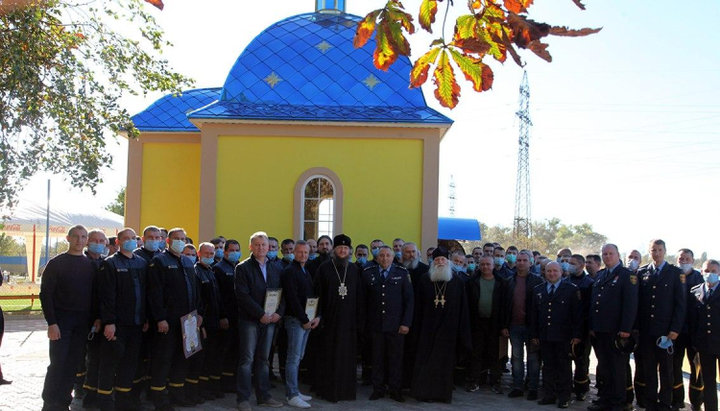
(24, 359)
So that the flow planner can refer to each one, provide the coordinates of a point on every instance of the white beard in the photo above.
(411, 265)
(440, 273)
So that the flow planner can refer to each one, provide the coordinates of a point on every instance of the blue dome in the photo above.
(169, 113)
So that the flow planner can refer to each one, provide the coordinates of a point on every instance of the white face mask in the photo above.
(686, 268)
(633, 265)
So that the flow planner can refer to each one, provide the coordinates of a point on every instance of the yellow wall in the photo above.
(382, 182)
(171, 186)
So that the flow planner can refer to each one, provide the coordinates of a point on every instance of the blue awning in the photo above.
(451, 228)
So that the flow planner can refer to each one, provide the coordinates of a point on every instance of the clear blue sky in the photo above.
(626, 122)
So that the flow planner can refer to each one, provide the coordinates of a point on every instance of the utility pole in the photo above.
(522, 225)
(451, 197)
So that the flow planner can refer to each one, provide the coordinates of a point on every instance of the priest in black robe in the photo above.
(443, 330)
(411, 261)
(336, 283)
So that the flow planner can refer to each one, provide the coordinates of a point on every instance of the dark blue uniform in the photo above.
(613, 308)
(209, 362)
(387, 298)
(556, 319)
(661, 310)
(228, 339)
(705, 336)
(683, 344)
(581, 379)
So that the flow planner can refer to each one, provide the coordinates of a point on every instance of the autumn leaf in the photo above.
(565, 32)
(157, 3)
(428, 9)
(474, 70)
(579, 4)
(384, 54)
(365, 29)
(419, 72)
(447, 91)
(517, 6)
(395, 13)
(540, 49)
(525, 31)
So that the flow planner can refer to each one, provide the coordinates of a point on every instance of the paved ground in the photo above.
(24, 358)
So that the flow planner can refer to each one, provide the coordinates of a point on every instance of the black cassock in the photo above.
(336, 341)
(443, 332)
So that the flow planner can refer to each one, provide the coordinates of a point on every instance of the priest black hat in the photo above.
(440, 252)
(341, 239)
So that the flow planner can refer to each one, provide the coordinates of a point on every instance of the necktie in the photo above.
(552, 290)
(708, 295)
(384, 275)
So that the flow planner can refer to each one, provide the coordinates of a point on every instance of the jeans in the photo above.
(255, 340)
(297, 338)
(519, 340)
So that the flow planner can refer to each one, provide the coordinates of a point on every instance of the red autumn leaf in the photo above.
(540, 49)
(428, 10)
(365, 29)
(579, 4)
(565, 32)
(525, 30)
(517, 6)
(447, 91)
(384, 54)
(157, 3)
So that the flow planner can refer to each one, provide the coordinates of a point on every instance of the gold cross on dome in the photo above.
(371, 81)
(272, 79)
(324, 46)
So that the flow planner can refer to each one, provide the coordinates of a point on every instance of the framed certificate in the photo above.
(190, 334)
(311, 308)
(272, 300)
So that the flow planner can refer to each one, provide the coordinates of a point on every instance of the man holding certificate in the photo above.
(300, 318)
(257, 287)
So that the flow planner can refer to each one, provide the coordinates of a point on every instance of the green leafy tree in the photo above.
(10, 247)
(118, 205)
(64, 66)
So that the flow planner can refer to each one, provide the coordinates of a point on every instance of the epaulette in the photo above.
(367, 267)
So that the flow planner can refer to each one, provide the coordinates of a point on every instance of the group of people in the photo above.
(117, 311)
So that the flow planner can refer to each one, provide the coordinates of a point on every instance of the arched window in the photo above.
(318, 204)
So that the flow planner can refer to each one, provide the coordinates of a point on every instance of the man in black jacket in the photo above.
(122, 286)
(581, 350)
(515, 326)
(172, 293)
(486, 293)
(253, 278)
(225, 276)
(661, 315)
(387, 296)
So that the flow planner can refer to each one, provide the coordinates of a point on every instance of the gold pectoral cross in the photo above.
(442, 301)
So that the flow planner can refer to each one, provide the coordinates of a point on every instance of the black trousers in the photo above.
(228, 351)
(611, 371)
(387, 356)
(709, 364)
(557, 369)
(119, 360)
(65, 355)
(213, 362)
(695, 391)
(485, 352)
(169, 366)
(581, 377)
(92, 362)
(654, 358)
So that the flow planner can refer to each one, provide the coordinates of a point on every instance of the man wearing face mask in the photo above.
(581, 350)
(501, 268)
(190, 252)
(661, 315)
(219, 244)
(361, 256)
(459, 265)
(397, 250)
(152, 238)
(705, 328)
(172, 293)
(683, 343)
(273, 249)
(287, 247)
(228, 336)
(375, 249)
(633, 260)
(563, 257)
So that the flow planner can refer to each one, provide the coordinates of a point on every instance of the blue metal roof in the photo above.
(305, 68)
(169, 113)
(451, 228)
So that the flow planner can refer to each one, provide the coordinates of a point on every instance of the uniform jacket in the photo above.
(146, 254)
(169, 277)
(584, 284)
(530, 283)
(691, 280)
(705, 321)
(614, 302)
(388, 303)
(120, 302)
(557, 317)
(662, 305)
(225, 277)
(499, 305)
(250, 288)
(297, 288)
(210, 295)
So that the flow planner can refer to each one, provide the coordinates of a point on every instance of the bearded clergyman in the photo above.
(443, 329)
(336, 285)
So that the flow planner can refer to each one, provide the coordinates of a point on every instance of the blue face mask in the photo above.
(272, 254)
(711, 278)
(511, 258)
(289, 257)
(234, 256)
(362, 260)
(219, 253)
(499, 261)
(162, 245)
(313, 256)
(129, 245)
(152, 245)
(471, 267)
(375, 252)
(398, 254)
(565, 266)
(459, 268)
(178, 246)
(207, 260)
(97, 248)
(665, 343)
(192, 258)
